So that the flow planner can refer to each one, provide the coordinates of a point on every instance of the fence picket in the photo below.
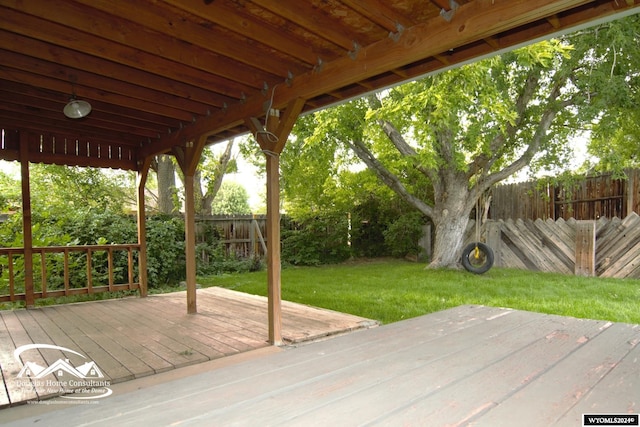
(561, 249)
(552, 245)
(237, 233)
(590, 198)
(627, 231)
(585, 248)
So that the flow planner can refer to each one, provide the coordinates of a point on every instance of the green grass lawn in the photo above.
(392, 290)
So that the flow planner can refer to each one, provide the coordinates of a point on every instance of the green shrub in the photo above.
(402, 235)
(369, 221)
(323, 239)
(166, 262)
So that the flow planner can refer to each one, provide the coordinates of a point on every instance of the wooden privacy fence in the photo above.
(242, 235)
(68, 270)
(603, 247)
(592, 197)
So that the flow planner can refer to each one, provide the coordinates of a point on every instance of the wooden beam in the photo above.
(190, 243)
(380, 12)
(302, 13)
(272, 139)
(157, 42)
(274, 284)
(252, 28)
(180, 95)
(141, 181)
(286, 122)
(27, 233)
(157, 107)
(473, 21)
(58, 34)
(268, 141)
(188, 158)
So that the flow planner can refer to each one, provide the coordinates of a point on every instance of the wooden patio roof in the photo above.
(173, 76)
(161, 74)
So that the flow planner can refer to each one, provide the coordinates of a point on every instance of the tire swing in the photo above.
(477, 257)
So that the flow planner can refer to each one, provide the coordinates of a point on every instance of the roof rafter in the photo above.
(474, 21)
(159, 74)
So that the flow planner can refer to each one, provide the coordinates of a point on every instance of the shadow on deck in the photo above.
(119, 340)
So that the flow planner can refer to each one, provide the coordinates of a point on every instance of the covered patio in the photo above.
(172, 77)
(466, 366)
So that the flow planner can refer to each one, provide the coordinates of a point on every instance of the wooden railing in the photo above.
(67, 270)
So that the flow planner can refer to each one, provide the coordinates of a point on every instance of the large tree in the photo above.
(466, 129)
(615, 138)
(232, 198)
(165, 168)
(207, 179)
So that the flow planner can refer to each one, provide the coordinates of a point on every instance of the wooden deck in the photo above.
(470, 365)
(135, 337)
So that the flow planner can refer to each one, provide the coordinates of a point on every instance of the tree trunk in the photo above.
(214, 186)
(449, 236)
(198, 194)
(166, 173)
(450, 219)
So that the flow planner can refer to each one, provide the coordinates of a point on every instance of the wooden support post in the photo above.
(272, 141)
(188, 158)
(26, 221)
(585, 248)
(190, 243)
(273, 248)
(142, 230)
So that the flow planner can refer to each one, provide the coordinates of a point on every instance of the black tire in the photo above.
(479, 261)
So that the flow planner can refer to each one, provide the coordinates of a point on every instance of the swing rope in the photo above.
(476, 252)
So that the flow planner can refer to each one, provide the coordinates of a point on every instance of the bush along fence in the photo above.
(589, 198)
(603, 247)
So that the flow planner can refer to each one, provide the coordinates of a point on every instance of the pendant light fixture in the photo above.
(76, 108)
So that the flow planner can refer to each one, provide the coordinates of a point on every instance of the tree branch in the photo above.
(404, 148)
(444, 145)
(483, 161)
(541, 131)
(387, 177)
(221, 168)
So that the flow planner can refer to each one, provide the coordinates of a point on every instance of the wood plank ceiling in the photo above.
(160, 74)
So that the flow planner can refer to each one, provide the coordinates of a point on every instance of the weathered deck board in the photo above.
(92, 336)
(36, 333)
(135, 356)
(469, 365)
(19, 336)
(617, 391)
(9, 368)
(136, 337)
(524, 355)
(569, 380)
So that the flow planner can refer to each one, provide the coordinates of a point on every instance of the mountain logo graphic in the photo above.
(82, 382)
(60, 368)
